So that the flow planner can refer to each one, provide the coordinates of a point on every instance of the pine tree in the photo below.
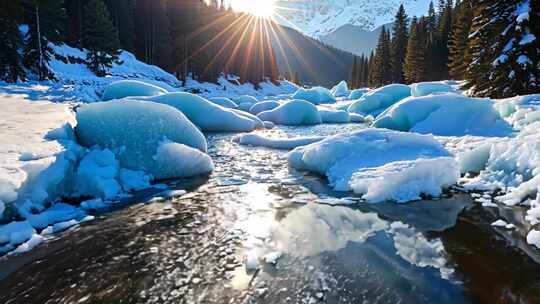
(459, 57)
(10, 60)
(381, 72)
(399, 44)
(414, 67)
(354, 73)
(122, 16)
(45, 24)
(100, 37)
(505, 53)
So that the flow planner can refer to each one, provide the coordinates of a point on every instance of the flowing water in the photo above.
(191, 249)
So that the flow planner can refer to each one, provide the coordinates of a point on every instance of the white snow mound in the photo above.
(341, 89)
(207, 115)
(294, 112)
(263, 106)
(134, 130)
(315, 95)
(338, 157)
(446, 115)
(378, 100)
(224, 102)
(128, 88)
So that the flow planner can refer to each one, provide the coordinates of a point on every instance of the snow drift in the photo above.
(378, 100)
(224, 102)
(294, 112)
(135, 130)
(339, 157)
(315, 95)
(428, 88)
(206, 115)
(446, 114)
(127, 88)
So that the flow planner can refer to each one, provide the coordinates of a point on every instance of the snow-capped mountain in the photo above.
(317, 18)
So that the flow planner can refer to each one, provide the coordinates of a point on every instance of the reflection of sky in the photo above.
(314, 229)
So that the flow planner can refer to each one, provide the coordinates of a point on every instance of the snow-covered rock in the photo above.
(404, 181)
(333, 116)
(340, 156)
(378, 100)
(315, 95)
(427, 88)
(134, 130)
(254, 139)
(294, 112)
(224, 102)
(355, 94)
(126, 88)
(340, 90)
(446, 114)
(263, 106)
(206, 115)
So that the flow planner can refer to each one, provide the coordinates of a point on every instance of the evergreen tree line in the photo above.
(185, 37)
(489, 44)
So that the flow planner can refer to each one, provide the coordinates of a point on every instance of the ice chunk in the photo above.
(96, 175)
(355, 94)
(447, 115)
(294, 112)
(428, 88)
(355, 117)
(224, 102)
(339, 156)
(132, 180)
(254, 139)
(474, 160)
(178, 160)
(263, 106)
(533, 238)
(378, 100)
(134, 130)
(341, 89)
(315, 95)
(16, 233)
(332, 116)
(93, 204)
(245, 99)
(272, 257)
(405, 181)
(206, 115)
(252, 261)
(127, 88)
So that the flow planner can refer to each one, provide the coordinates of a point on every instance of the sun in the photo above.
(259, 8)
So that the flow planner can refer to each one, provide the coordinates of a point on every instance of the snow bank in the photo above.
(224, 102)
(294, 112)
(340, 90)
(254, 139)
(315, 95)
(355, 94)
(333, 116)
(263, 106)
(405, 181)
(340, 156)
(445, 115)
(37, 152)
(134, 130)
(127, 88)
(428, 88)
(206, 115)
(376, 101)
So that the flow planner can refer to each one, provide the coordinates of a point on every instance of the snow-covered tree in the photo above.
(459, 56)
(100, 37)
(10, 59)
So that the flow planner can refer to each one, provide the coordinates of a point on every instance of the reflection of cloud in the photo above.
(417, 250)
(315, 228)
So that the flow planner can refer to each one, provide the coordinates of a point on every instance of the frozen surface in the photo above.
(105, 124)
(427, 88)
(446, 114)
(340, 156)
(126, 88)
(341, 89)
(255, 139)
(205, 114)
(315, 95)
(295, 112)
(376, 101)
